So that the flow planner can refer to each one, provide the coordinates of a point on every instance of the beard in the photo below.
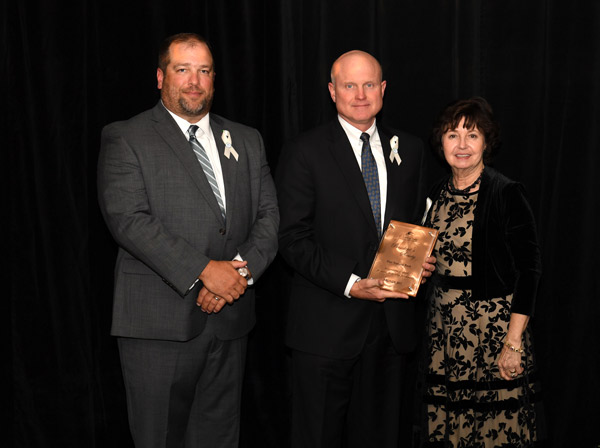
(195, 109)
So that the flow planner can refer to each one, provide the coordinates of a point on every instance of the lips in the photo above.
(193, 92)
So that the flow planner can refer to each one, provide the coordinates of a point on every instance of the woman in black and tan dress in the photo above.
(480, 385)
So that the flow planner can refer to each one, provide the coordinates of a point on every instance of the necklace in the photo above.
(466, 190)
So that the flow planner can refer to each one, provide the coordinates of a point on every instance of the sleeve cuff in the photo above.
(353, 279)
(193, 284)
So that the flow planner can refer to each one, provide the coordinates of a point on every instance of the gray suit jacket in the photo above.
(163, 214)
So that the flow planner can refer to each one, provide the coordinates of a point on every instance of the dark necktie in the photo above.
(206, 166)
(371, 177)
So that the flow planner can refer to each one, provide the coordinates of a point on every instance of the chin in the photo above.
(193, 109)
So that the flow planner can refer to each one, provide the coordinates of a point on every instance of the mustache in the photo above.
(193, 90)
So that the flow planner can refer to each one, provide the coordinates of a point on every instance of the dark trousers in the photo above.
(352, 403)
(184, 394)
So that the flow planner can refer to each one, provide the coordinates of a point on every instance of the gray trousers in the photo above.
(184, 394)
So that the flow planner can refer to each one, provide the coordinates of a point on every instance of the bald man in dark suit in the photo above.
(339, 186)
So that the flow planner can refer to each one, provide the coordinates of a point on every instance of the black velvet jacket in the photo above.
(506, 255)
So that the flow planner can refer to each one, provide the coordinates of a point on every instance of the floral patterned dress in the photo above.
(466, 402)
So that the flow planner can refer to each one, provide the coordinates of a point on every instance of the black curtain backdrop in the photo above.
(70, 68)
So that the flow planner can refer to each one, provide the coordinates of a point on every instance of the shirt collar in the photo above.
(355, 132)
(184, 125)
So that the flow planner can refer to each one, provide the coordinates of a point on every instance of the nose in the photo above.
(462, 141)
(194, 77)
(360, 92)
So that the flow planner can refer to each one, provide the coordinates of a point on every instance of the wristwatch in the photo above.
(244, 272)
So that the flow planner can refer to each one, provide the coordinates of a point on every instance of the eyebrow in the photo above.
(353, 82)
(473, 129)
(188, 64)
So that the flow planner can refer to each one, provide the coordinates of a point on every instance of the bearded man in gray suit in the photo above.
(189, 198)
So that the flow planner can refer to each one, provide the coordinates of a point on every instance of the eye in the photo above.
(473, 136)
(349, 86)
(369, 85)
(205, 71)
(180, 70)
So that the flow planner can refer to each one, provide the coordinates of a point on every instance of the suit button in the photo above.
(222, 231)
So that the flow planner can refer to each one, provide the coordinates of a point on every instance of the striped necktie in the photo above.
(371, 177)
(206, 166)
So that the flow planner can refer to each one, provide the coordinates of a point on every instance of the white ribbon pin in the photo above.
(394, 156)
(226, 137)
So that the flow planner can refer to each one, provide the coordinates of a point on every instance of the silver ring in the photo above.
(513, 371)
(216, 298)
(514, 375)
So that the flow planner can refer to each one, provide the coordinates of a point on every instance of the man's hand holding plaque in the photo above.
(402, 263)
(372, 289)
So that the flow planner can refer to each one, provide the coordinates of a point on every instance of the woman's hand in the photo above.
(509, 363)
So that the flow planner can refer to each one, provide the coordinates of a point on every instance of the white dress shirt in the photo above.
(353, 135)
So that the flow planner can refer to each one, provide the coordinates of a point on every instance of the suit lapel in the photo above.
(229, 166)
(167, 128)
(344, 156)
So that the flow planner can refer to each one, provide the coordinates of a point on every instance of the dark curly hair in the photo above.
(477, 113)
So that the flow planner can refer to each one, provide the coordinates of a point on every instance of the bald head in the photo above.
(354, 57)
(356, 88)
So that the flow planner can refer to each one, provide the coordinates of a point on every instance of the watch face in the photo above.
(243, 272)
